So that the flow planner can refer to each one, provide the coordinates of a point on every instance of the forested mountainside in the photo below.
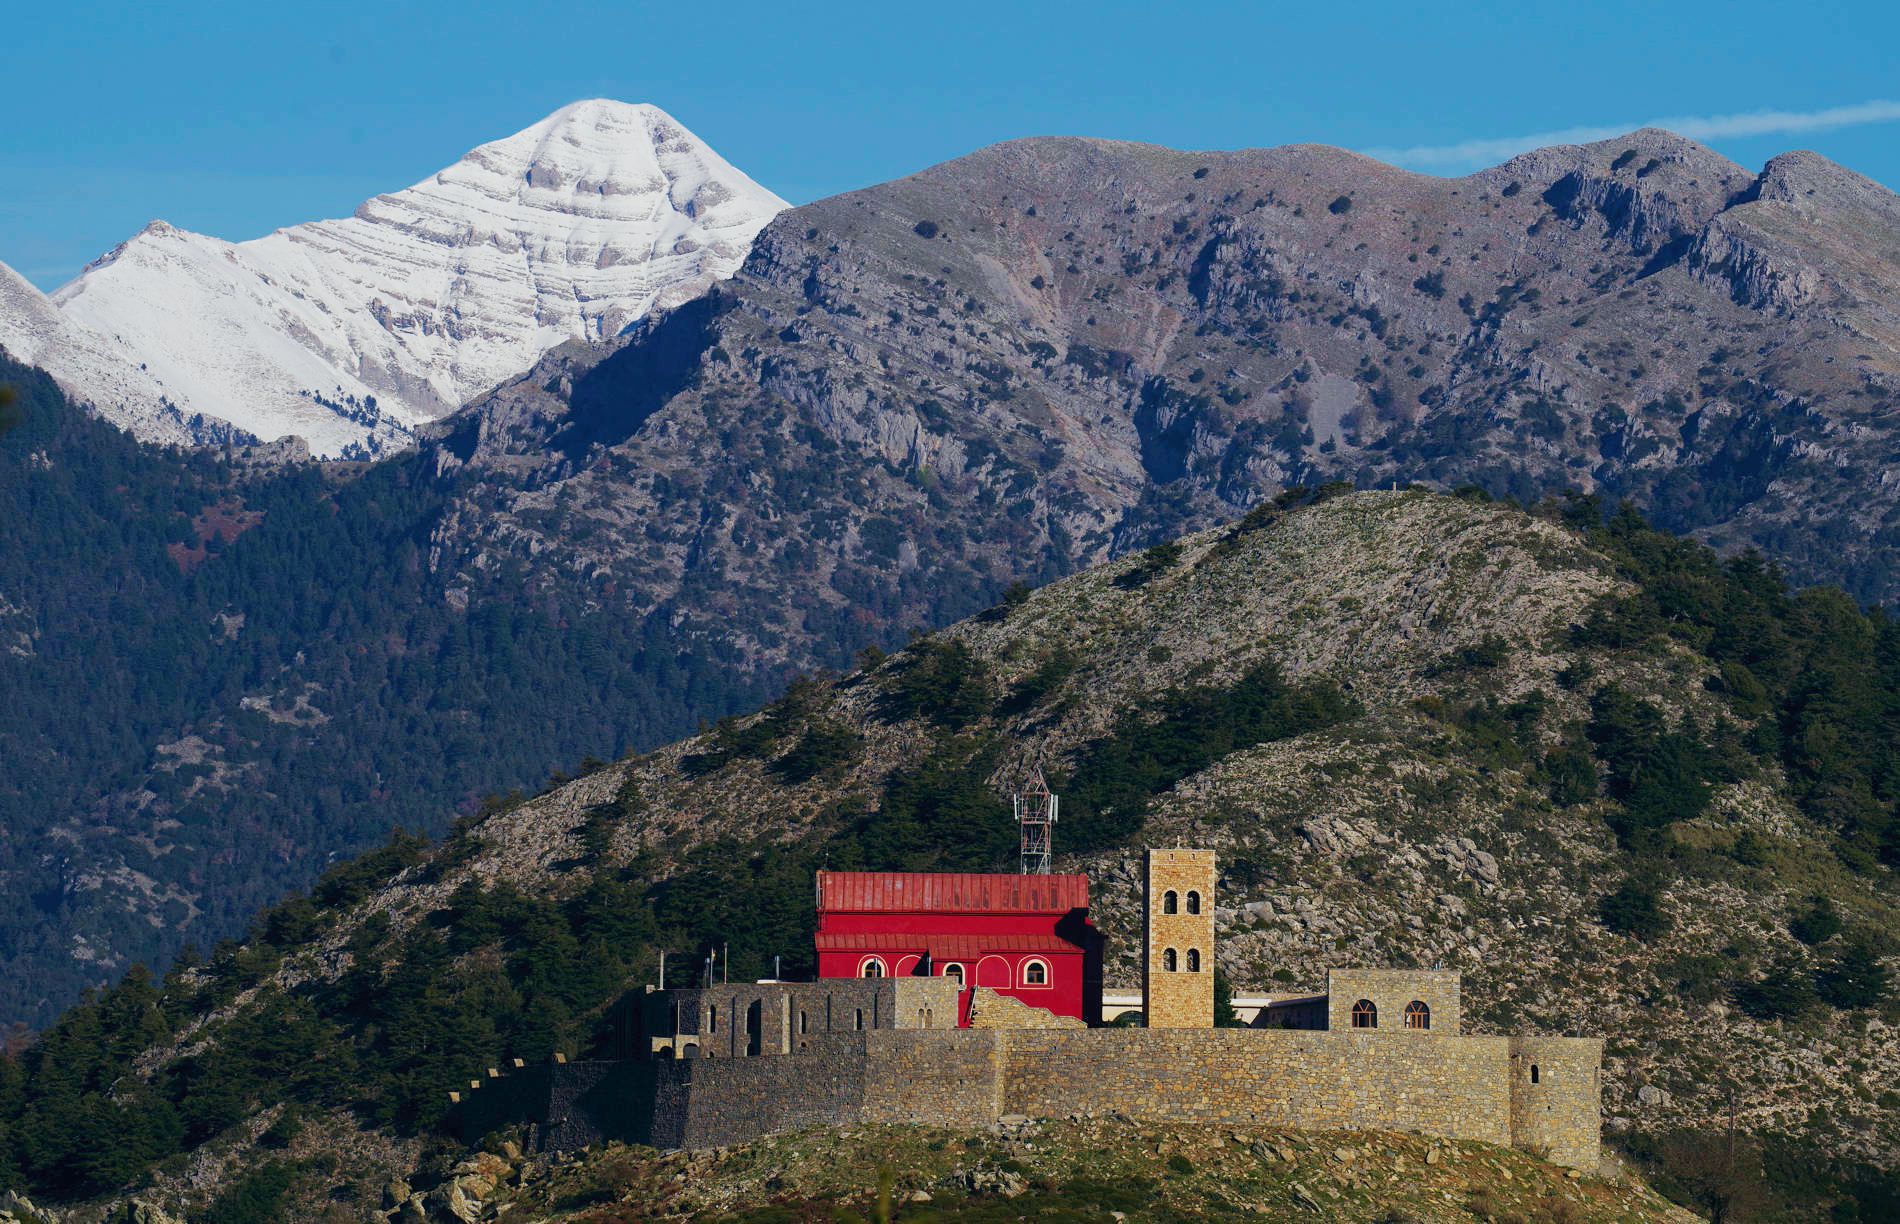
(1006, 368)
(1625, 787)
(1054, 348)
(220, 677)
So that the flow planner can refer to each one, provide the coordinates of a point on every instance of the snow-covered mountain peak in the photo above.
(350, 331)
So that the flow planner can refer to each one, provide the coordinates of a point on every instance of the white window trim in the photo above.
(1022, 978)
(883, 970)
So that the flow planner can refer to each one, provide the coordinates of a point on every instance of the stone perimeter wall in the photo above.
(1450, 1086)
(1474, 1088)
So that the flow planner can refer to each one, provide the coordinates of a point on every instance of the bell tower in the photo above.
(1177, 968)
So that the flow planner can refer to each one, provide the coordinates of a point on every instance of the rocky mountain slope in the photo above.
(1076, 345)
(349, 332)
(1623, 788)
(1005, 368)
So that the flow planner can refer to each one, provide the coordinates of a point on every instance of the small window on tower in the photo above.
(1168, 962)
(1194, 957)
(1170, 903)
(1194, 903)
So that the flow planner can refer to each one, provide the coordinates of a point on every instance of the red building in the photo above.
(1026, 936)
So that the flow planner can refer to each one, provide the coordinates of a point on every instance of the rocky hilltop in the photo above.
(1602, 775)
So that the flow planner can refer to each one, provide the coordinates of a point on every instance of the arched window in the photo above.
(1170, 904)
(1364, 1014)
(1035, 973)
(1418, 1015)
(954, 972)
(1533, 1073)
(1194, 903)
(872, 967)
(1168, 962)
(1194, 957)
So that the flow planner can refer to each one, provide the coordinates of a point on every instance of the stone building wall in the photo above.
(1557, 1098)
(747, 1019)
(1178, 998)
(701, 1103)
(990, 1010)
(939, 1079)
(942, 1077)
(1475, 1088)
(1457, 1087)
(1391, 990)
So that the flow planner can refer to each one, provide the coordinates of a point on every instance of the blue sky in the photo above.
(235, 119)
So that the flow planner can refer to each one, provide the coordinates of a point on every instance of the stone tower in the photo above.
(1177, 968)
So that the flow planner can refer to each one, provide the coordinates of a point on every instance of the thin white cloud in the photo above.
(1473, 153)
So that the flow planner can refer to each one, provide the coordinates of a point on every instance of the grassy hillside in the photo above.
(1627, 789)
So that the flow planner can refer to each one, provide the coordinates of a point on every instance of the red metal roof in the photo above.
(912, 892)
(943, 947)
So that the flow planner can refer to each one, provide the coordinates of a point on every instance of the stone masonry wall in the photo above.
(1178, 998)
(700, 1102)
(1473, 1088)
(990, 1010)
(1457, 1087)
(1391, 990)
(1559, 1112)
(938, 1078)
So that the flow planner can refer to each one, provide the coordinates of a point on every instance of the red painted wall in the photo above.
(994, 926)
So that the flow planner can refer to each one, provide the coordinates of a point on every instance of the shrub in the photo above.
(825, 748)
(1341, 204)
(1783, 993)
(925, 229)
(945, 682)
(1635, 910)
(1155, 562)
(1855, 978)
(1816, 924)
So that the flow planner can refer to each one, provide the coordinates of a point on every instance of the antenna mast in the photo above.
(1036, 817)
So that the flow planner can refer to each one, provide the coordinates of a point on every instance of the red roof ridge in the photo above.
(940, 892)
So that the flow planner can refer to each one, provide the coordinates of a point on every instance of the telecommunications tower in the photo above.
(1036, 817)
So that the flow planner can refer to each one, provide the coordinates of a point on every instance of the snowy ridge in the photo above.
(33, 331)
(349, 332)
